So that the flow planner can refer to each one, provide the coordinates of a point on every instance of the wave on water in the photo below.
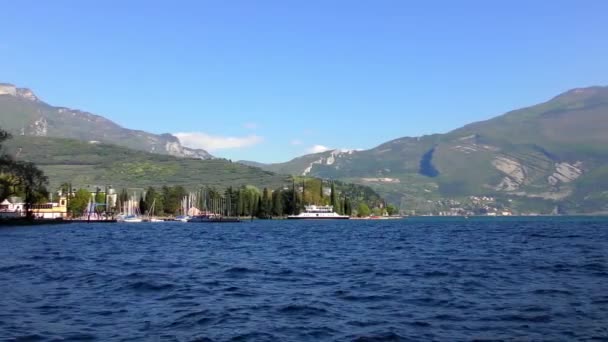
(277, 280)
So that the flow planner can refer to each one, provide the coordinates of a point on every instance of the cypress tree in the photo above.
(321, 195)
(142, 205)
(332, 198)
(266, 203)
(303, 192)
(241, 202)
(294, 199)
(277, 203)
(257, 206)
(348, 210)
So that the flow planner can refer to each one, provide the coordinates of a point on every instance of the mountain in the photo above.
(93, 164)
(23, 113)
(545, 158)
(89, 164)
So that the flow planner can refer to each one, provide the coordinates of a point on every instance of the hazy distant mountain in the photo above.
(553, 154)
(22, 113)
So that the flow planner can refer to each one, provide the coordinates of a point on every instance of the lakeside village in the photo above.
(472, 206)
(176, 204)
(24, 197)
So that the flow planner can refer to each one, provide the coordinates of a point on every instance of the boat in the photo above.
(182, 218)
(212, 218)
(318, 212)
(131, 212)
(151, 217)
(131, 219)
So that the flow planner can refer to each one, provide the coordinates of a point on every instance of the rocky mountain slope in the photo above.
(23, 113)
(554, 154)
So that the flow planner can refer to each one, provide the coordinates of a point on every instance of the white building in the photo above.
(14, 208)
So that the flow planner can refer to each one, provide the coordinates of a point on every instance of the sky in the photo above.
(272, 80)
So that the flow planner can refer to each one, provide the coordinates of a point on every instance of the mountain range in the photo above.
(89, 151)
(544, 158)
(549, 157)
(23, 113)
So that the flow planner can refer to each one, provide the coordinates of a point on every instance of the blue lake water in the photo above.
(392, 280)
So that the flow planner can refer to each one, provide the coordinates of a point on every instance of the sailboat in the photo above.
(151, 217)
(132, 215)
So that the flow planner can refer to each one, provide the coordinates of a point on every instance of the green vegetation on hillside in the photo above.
(95, 165)
(536, 159)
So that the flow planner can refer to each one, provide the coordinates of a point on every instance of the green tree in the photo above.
(33, 183)
(391, 209)
(259, 210)
(277, 203)
(79, 202)
(172, 199)
(321, 195)
(22, 178)
(348, 209)
(263, 210)
(333, 199)
(143, 208)
(378, 211)
(363, 210)
(151, 199)
(121, 201)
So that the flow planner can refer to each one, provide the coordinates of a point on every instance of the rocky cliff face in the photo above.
(22, 113)
(12, 90)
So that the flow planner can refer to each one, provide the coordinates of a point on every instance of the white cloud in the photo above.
(250, 125)
(318, 148)
(296, 142)
(214, 143)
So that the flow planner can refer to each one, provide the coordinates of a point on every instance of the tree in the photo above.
(123, 198)
(391, 209)
(348, 209)
(363, 210)
(33, 183)
(265, 203)
(78, 204)
(21, 178)
(321, 192)
(143, 208)
(151, 198)
(259, 209)
(172, 198)
(277, 203)
(378, 211)
(294, 198)
(333, 198)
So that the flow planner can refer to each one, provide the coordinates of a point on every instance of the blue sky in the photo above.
(270, 80)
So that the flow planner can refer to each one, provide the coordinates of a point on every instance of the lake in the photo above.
(282, 280)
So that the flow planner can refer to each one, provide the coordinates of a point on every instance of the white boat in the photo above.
(318, 212)
(130, 211)
(182, 218)
(151, 217)
(131, 219)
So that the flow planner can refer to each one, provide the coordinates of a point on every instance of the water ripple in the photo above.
(403, 280)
